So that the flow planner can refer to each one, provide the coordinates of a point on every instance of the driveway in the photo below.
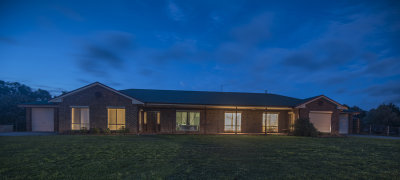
(373, 136)
(27, 133)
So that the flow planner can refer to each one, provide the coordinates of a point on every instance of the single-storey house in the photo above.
(147, 111)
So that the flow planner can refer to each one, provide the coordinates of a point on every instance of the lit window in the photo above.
(291, 121)
(233, 122)
(270, 122)
(116, 118)
(80, 118)
(187, 121)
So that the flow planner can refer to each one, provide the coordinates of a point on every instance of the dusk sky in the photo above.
(346, 50)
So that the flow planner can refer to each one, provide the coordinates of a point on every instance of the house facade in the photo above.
(145, 111)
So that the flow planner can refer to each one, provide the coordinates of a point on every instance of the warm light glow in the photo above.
(145, 118)
(291, 121)
(187, 121)
(140, 120)
(231, 124)
(270, 122)
(116, 118)
(79, 118)
(158, 118)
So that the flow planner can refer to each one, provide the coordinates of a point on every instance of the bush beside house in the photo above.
(303, 127)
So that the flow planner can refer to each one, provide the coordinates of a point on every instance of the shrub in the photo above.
(94, 130)
(83, 130)
(123, 130)
(303, 127)
(107, 131)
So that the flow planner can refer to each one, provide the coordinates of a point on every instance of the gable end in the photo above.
(60, 98)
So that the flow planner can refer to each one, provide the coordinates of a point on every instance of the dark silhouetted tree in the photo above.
(383, 116)
(11, 95)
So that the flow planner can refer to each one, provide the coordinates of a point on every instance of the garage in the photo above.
(343, 124)
(321, 120)
(43, 119)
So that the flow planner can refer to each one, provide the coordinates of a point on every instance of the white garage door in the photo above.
(343, 124)
(43, 119)
(321, 120)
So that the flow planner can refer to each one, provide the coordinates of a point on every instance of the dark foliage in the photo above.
(11, 95)
(95, 131)
(382, 117)
(303, 127)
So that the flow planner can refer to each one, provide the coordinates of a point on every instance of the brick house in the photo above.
(145, 111)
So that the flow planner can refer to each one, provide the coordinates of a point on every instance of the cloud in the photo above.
(105, 52)
(303, 60)
(185, 50)
(322, 54)
(389, 92)
(174, 11)
(384, 67)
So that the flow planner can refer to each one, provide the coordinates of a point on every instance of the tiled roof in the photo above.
(211, 98)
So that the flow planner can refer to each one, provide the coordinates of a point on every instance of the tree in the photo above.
(383, 116)
(11, 95)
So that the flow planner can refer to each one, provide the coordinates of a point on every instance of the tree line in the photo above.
(381, 120)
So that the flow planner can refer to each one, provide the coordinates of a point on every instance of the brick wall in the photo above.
(97, 98)
(212, 120)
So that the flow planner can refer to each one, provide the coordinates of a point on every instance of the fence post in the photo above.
(388, 130)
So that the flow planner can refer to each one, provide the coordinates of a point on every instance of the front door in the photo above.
(152, 122)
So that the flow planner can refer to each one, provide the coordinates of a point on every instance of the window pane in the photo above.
(145, 118)
(239, 119)
(231, 124)
(112, 119)
(264, 118)
(76, 113)
(121, 116)
(76, 126)
(271, 122)
(194, 118)
(119, 127)
(184, 118)
(158, 118)
(85, 115)
(178, 117)
(112, 127)
(180, 120)
(185, 124)
(228, 119)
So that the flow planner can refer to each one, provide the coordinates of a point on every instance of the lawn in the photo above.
(197, 157)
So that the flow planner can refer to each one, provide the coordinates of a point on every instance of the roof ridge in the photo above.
(213, 92)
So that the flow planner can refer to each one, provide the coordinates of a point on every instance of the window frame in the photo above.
(116, 118)
(187, 120)
(265, 124)
(236, 124)
(80, 118)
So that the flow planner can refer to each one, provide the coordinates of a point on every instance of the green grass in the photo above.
(197, 157)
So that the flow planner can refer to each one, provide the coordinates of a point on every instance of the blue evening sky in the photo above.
(346, 50)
